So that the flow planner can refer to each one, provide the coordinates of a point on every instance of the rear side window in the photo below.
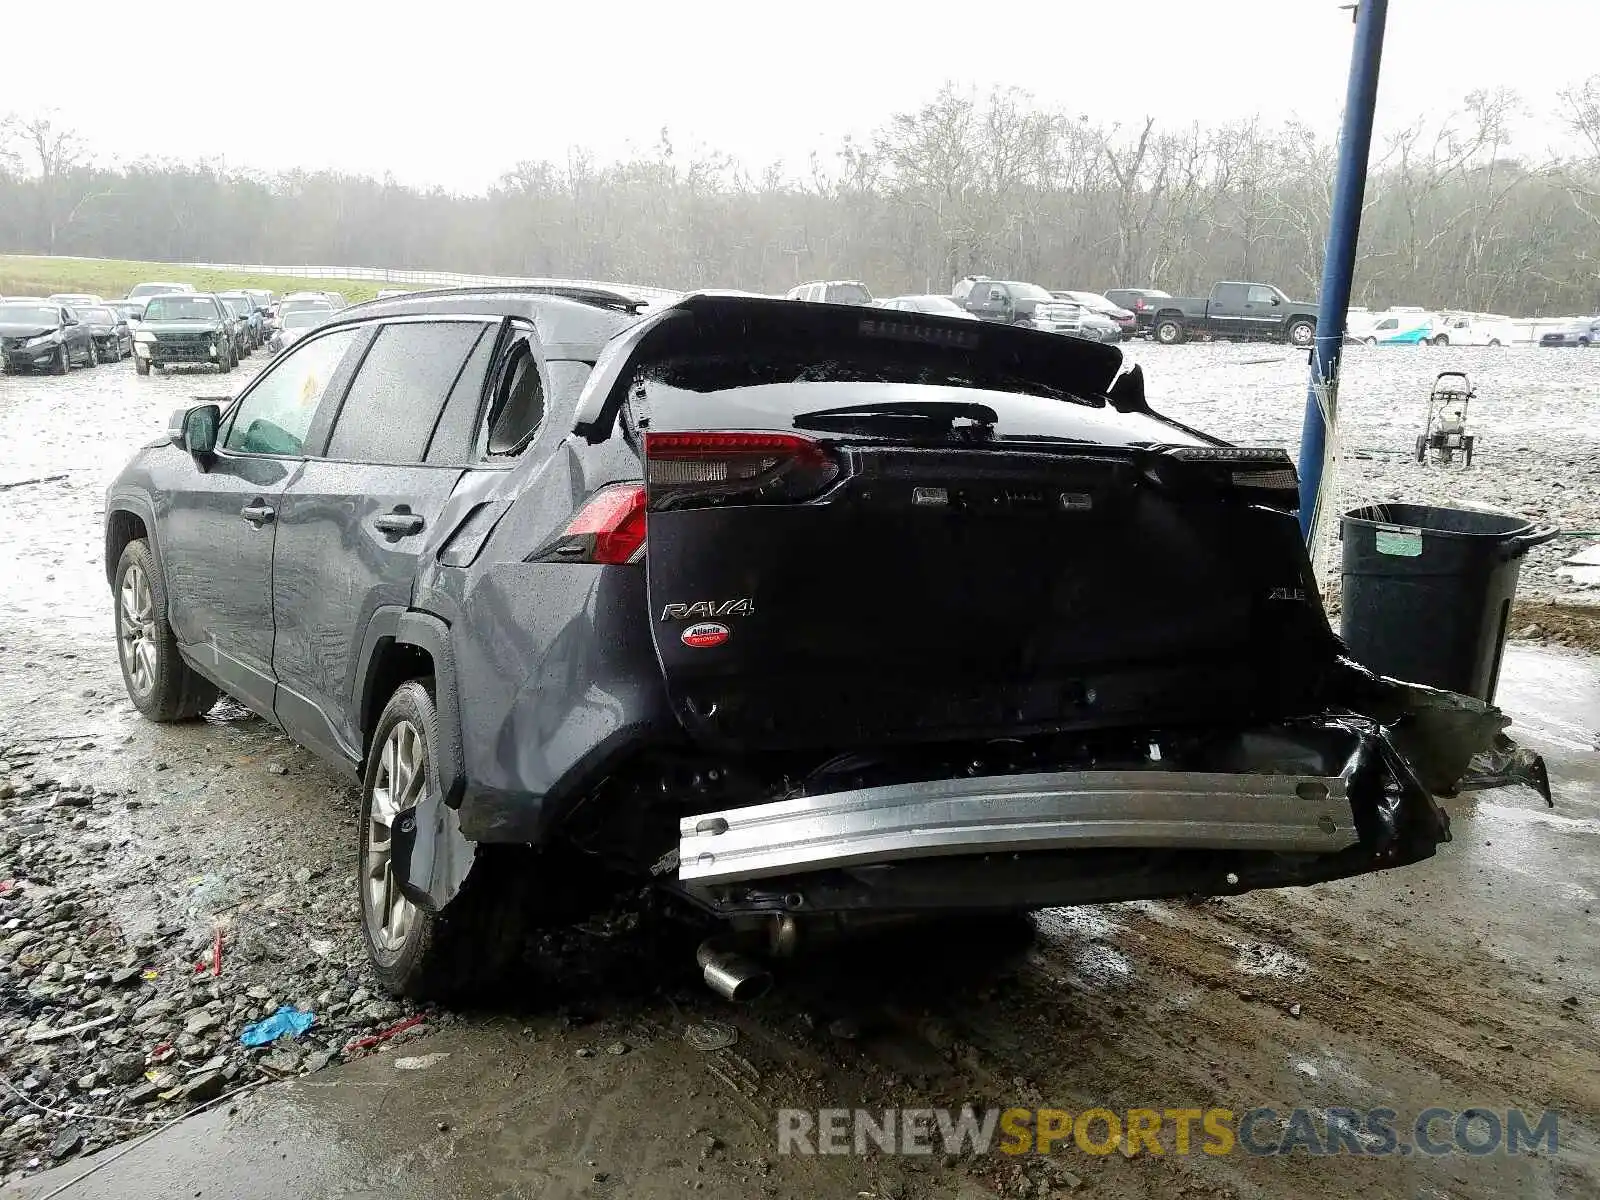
(395, 400)
(517, 409)
(455, 441)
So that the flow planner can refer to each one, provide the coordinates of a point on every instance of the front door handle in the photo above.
(399, 523)
(258, 513)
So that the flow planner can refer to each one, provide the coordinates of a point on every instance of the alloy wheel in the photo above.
(399, 784)
(136, 630)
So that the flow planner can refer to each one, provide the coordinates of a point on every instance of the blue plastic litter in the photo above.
(286, 1020)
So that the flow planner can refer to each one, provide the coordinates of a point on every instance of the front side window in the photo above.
(393, 404)
(1262, 295)
(273, 416)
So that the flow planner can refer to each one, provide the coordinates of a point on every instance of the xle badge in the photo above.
(704, 635)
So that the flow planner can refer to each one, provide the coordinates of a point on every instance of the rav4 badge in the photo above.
(704, 635)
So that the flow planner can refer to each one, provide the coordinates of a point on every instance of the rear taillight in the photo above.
(1256, 475)
(704, 468)
(609, 528)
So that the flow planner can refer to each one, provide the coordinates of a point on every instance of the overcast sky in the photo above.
(453, 94)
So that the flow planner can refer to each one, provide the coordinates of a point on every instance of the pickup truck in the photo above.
(1006, 300)
(1245, 311)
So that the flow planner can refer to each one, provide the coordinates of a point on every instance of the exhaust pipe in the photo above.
(729, 974)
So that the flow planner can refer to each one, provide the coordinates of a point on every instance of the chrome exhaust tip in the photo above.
(731, 975)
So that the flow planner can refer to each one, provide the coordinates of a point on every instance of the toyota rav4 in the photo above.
(803, 612)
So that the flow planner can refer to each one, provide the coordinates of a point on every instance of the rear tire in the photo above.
(161, 685)
(1422, 447)
(1370, 341)
(470, 944)
(1442, 340)
(1169, 332)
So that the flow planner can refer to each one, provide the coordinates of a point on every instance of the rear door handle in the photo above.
(399, 523)
(258, 513)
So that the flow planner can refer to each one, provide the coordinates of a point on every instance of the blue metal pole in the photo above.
(1339, 261)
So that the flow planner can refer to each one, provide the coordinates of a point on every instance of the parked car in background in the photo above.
(1471, 329)
(75, 299)
(296, 300)
(1008, 301)
(185, 328)
(417, 542)
(941, 306)
(36, 335)
(292, 326)
(1099, 327)
(1584, 333)
(834, 291)
(1127, 323)
(265, 301)
(253, 332)
(1056, 316)
(131, 311)
(143, 291)
(336, 299)
(1235, 310)
(112, 338)
(1140, 302)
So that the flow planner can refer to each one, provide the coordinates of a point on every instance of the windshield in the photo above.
(306, 318)
(848, 293)
(154, 289)
(103, 315)
(28, 314)
(239, 305)
(181, 308)
(292, 306)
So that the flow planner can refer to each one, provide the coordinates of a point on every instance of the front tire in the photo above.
(161, 685)
(469, 944)
(1300, 333)
(1169, 332)
(141, 366)
(94, 353)
(1369, 341)
(63, 361)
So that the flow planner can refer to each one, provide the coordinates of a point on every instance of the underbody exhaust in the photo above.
(730, 974)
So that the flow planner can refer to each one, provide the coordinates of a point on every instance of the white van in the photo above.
(1472, 329)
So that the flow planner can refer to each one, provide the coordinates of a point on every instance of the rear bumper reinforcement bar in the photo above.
(1195, 810)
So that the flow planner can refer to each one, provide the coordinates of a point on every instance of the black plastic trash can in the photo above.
(1426, 592)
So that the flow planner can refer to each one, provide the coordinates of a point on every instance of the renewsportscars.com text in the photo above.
(1161, 1131)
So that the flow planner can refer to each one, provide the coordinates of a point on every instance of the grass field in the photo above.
(25, 275)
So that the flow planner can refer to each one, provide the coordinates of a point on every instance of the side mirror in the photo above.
(1276, 301)
(70, 321)
(195, 429)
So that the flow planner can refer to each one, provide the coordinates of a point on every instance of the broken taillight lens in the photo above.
(1256, 475)
(684, 470)
(609, 528)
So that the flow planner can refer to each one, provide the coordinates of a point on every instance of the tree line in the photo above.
(966, 183)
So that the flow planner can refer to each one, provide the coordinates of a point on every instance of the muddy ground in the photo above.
(163, 887)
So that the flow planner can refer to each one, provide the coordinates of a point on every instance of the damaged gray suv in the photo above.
(804, 613)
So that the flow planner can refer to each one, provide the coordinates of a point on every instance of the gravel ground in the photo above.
(163, 887)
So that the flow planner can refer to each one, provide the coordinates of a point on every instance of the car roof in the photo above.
(572, 320)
